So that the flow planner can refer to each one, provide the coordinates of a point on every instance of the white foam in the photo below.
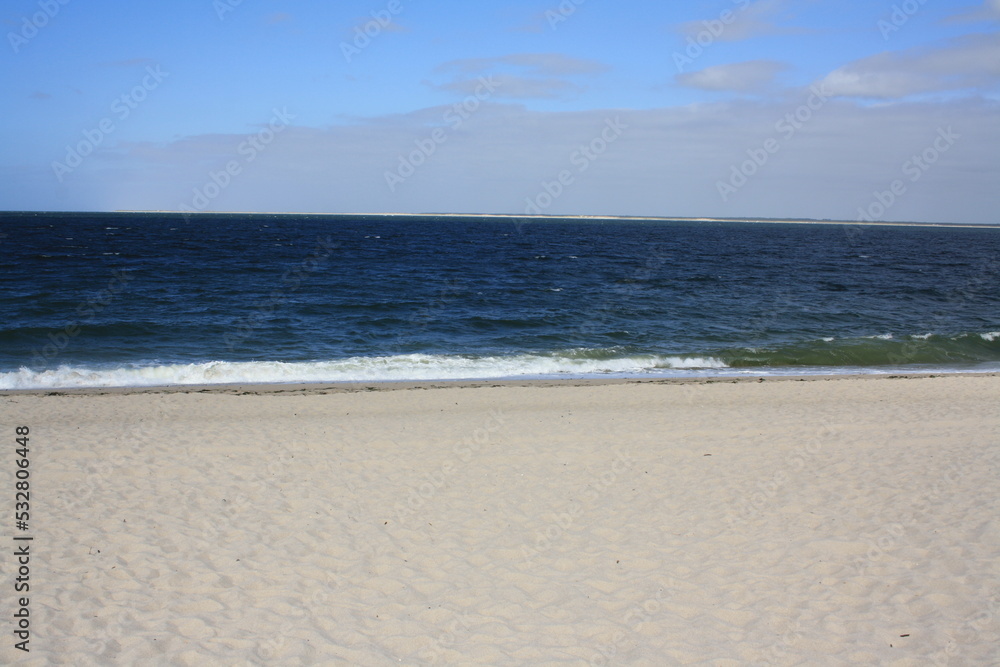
(354, 369)
(990, 336)
(692, 363)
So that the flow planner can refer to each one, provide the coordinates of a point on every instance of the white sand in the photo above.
(835, 522)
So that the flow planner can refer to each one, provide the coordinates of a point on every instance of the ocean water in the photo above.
(160, 299)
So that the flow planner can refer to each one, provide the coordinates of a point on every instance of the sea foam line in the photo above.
(354, 369)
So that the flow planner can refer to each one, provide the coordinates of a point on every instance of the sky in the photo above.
(822, 109)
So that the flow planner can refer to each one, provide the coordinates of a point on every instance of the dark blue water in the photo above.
(133, 299)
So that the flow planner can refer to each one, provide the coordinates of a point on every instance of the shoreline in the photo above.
(348, 387)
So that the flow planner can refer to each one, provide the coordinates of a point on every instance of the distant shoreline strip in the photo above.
(521, 218)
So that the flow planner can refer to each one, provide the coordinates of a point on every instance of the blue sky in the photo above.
(771, 108)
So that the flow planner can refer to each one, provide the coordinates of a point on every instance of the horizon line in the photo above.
(542, 217)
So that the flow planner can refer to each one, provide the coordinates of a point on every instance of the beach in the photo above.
(819, 520)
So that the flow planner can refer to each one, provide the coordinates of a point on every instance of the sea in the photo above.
(159, 299)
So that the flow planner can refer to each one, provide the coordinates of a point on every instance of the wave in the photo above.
(871, 354)
(354, 369)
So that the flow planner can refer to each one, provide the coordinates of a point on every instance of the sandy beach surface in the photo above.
(795, 522)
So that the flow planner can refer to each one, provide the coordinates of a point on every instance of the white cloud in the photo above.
(369, 22)
(990, 11)
(520, 75)
(667, 162)
(536, 64)
(745, 77)
(536, 23)
(513, 87)
(749, 18)
(969, 63)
